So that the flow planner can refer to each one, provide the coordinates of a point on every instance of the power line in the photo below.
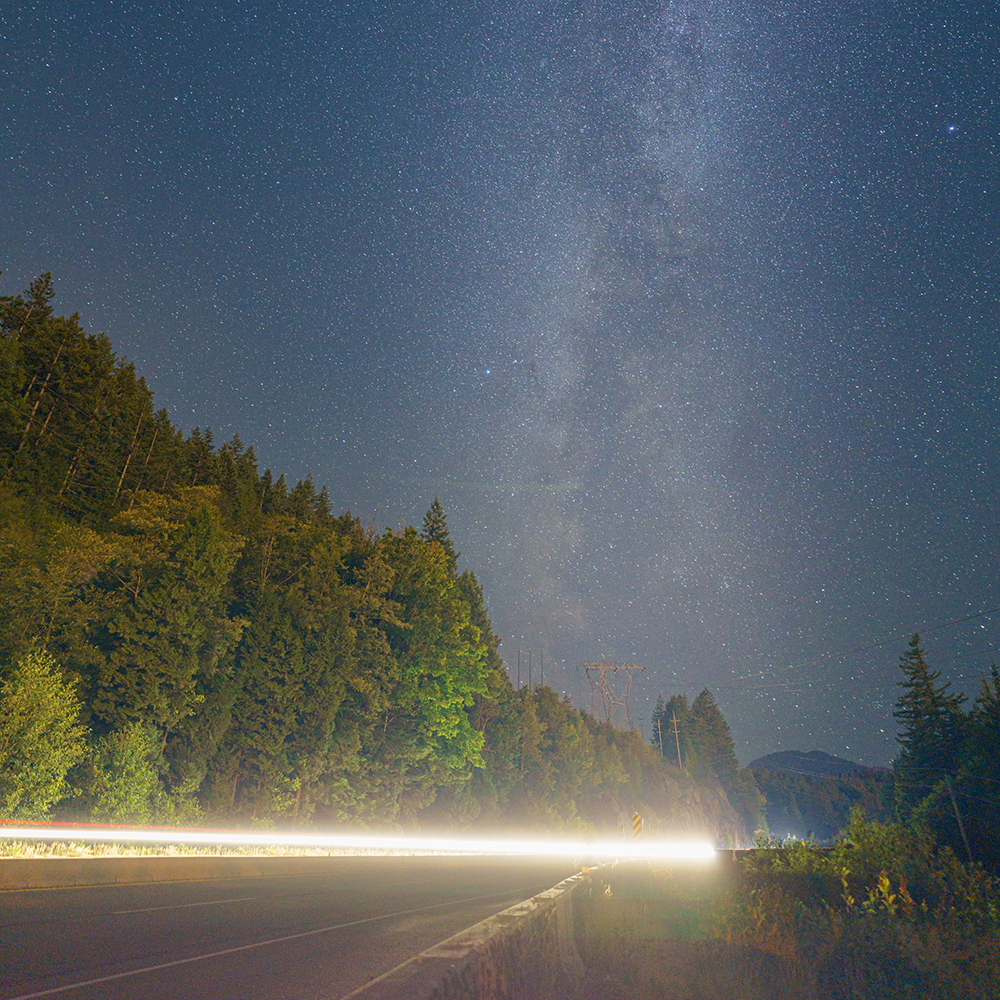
(866, 648)
(795, 686)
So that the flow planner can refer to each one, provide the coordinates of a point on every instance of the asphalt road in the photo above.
(314, 937)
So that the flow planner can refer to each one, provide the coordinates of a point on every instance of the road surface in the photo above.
(314, 937)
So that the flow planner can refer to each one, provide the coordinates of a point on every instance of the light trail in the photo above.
(652, 849)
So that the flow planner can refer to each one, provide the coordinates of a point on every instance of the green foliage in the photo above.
(124, 786)
(435, 531)
(423, 738)
(40, 738)
(744, 929)
(928, 882)
(884, 913)
(77, 426)
(977, 783)
(171, 627)
(948, 769)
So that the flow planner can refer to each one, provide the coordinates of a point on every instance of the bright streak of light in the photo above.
(652, 849)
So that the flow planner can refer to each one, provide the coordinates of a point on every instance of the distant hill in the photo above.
(815, 763)
(812, 794)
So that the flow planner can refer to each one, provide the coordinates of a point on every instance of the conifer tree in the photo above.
(713, 752)
(979, 776)
(712, 739)
(931, 724)
(435, 529)
(171, 625)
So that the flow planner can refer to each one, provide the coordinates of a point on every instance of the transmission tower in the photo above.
(612, 682)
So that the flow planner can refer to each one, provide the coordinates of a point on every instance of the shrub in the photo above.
(40, 738)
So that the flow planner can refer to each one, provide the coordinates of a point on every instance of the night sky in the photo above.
(686, 311)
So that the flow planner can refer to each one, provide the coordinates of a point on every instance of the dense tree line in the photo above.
(183, 636)
(945, 781)
(947, 773)
(699, 736)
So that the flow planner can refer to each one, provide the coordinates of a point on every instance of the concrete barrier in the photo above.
(52, 873)
(526, 951)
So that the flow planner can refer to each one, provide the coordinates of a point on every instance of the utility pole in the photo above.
(677, 739)
(961, 825)
(531, 661)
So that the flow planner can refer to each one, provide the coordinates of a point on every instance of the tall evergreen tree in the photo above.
(171, 625)
(979, 776)
(931, 724)
(709, 753)
(435, 529)
(711, 737)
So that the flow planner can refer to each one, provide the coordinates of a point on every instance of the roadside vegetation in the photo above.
(883, 914)
(907, 909)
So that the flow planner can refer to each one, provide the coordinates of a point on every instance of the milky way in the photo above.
(686, 311)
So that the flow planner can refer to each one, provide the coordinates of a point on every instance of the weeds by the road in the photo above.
(25, 849)
(882, 915)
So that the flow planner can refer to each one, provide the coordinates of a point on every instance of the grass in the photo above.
(32, 849)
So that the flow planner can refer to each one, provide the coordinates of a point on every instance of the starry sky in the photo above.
(687, 311)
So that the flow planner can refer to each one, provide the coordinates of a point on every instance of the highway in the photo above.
(289, 937)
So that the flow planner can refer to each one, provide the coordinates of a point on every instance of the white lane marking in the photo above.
(181, 906)
(248, 947)
(241, 899)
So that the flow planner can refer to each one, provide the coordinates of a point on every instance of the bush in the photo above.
(125, 786)
(40, 739)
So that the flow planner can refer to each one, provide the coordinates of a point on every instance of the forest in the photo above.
(184, 638)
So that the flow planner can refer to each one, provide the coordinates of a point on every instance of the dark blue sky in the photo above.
(686, 311)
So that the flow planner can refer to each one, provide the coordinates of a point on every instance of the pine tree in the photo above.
(979, 776)
(171, 625)
(931, 724)
(435, 529)
(714, 747)
(711, 737)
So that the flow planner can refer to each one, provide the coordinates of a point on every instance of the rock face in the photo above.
(815, 763)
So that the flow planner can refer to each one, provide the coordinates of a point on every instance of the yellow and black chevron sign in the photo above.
(636, 825)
